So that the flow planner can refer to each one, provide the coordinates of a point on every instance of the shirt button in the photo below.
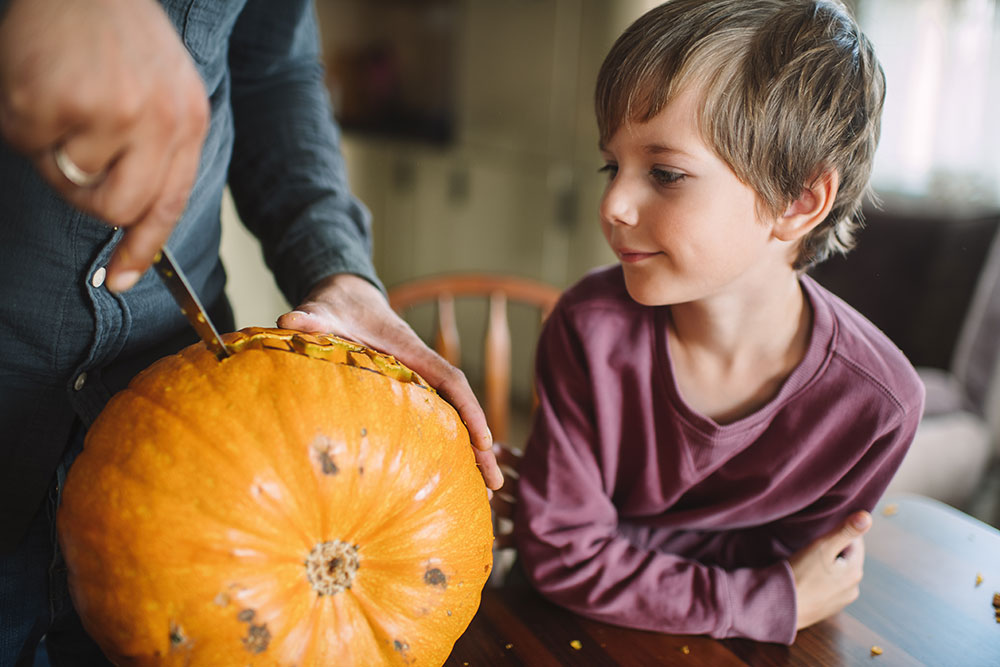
(98, 278)
(80, 380)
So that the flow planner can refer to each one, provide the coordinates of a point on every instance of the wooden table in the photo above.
(920, 603)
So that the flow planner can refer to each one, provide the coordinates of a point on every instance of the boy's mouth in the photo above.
(632, 256)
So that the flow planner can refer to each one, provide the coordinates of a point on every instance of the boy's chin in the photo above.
(647, 292)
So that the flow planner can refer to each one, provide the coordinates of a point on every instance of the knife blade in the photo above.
(180, 289)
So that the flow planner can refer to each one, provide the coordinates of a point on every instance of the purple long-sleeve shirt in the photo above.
(636, 510)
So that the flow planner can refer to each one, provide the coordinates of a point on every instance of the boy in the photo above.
(713, 425)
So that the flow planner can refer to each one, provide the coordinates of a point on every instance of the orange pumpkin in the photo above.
(306, 501)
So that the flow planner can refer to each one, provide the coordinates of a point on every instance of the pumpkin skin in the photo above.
(306, 501)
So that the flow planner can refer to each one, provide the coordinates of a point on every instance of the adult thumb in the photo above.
(302, 320)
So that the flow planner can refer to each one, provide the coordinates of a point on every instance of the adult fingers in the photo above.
(452, 384)
(373, 323)
(396, 337)
(449, 381)
(351, 307)
(126, 183)
(304, 320)
(145, 238)
(487, 463)
(138, 177)
(84, 155)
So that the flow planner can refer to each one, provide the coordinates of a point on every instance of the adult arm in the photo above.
(289, 183)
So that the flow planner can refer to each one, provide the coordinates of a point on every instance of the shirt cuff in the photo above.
(763, 604)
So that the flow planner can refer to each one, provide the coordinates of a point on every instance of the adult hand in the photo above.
(349, 306)
(828, 571)
(109, 85)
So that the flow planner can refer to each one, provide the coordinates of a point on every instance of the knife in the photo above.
(185, 297)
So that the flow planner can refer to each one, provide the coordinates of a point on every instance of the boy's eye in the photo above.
(665, 176)
(610, 169)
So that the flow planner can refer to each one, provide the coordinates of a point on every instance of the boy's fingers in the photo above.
(853, 527)
(860, 521)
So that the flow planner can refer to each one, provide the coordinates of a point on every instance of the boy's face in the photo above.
(681, 222)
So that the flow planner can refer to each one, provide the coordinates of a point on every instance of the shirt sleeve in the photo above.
(573, 551)
(287, 175)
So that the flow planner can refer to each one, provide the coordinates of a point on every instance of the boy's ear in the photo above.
(810, 209)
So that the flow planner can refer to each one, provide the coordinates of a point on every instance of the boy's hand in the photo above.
(828, 571)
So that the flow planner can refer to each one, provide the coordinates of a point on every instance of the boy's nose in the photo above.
(618, 207)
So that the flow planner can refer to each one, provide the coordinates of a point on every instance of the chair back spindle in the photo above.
(446, 340)
(497, 370)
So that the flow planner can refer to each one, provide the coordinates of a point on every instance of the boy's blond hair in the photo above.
(791, 89)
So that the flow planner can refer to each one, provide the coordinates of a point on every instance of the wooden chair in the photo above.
(499, 290)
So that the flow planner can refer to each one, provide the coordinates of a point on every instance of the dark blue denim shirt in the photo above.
(65, 345)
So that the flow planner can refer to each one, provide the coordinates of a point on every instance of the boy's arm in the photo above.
(574, 553)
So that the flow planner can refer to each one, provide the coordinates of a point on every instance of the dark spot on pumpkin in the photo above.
(435, 577)
(326, 461)
(257, 639)
(176, 635)
(361, 470)
(364, 432)
(246, 615)
(401, 647)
